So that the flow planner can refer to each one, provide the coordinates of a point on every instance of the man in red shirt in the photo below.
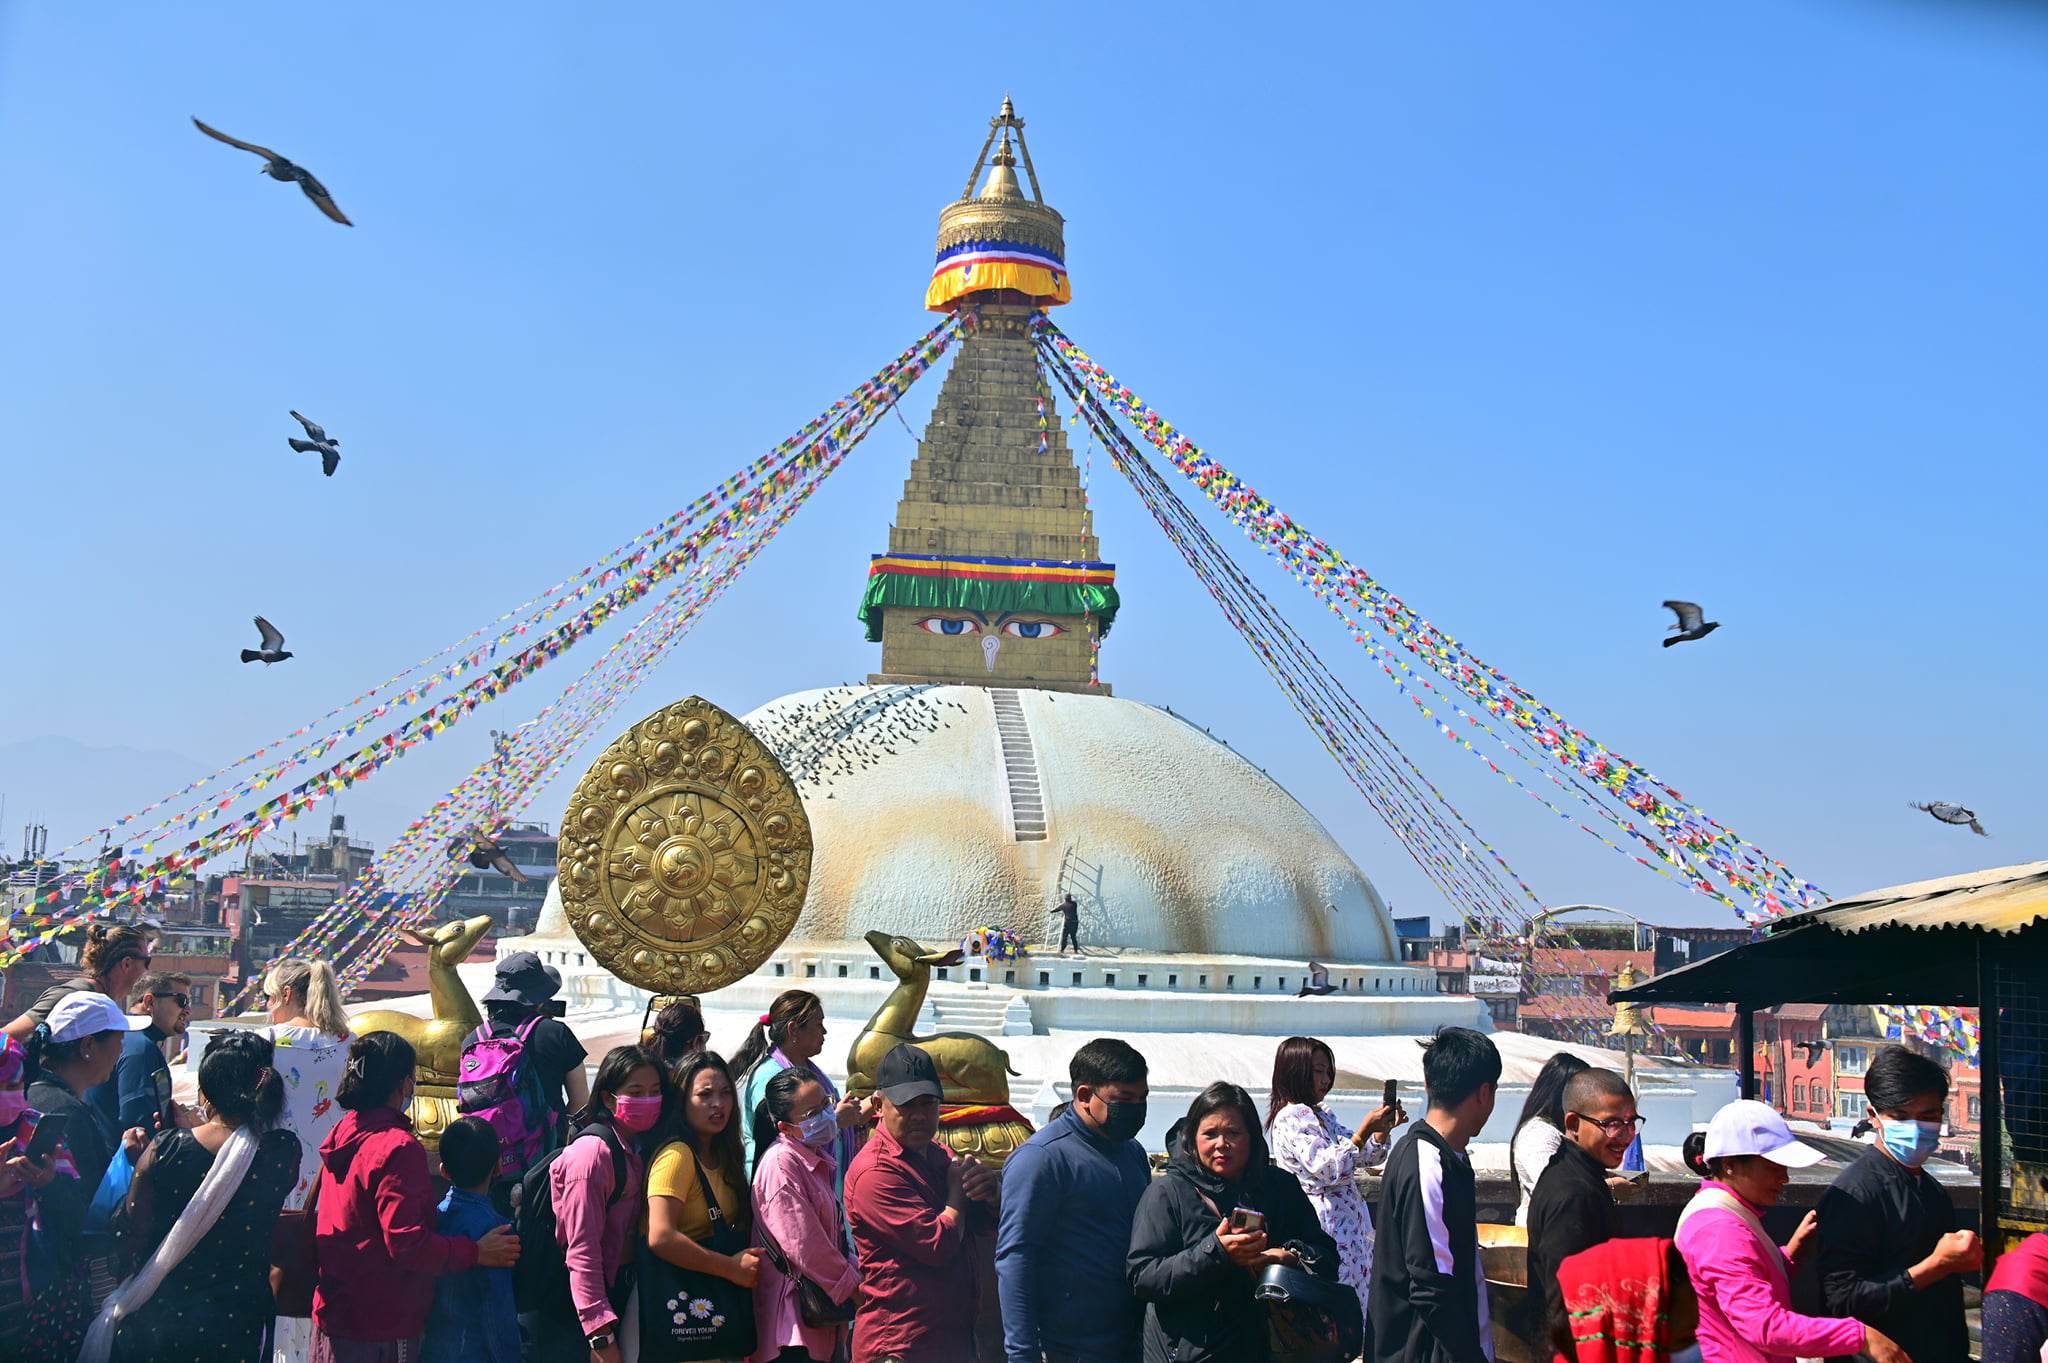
(913, 1209)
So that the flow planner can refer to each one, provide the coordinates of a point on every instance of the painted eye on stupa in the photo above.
(1033, 629)
(939, 624)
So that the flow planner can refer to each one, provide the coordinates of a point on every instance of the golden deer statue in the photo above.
(972, 1069)
(436, 1041)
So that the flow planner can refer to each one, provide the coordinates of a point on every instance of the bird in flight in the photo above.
(272, 650)
(487, 855)
(278, 168)
(1955, 814)
(1692, 623)
(318, 442)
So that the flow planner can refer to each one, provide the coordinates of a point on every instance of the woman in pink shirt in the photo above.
(1744, 1280)
(796, 1219)
(597, 1210)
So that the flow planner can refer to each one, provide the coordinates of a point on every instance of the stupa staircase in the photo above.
(1020, 767)
(969, 1010)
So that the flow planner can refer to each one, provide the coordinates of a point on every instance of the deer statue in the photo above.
(437, 1040)
(972, 1069)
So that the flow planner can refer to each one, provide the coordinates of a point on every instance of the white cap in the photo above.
(1752, 1128)
(85, 1014)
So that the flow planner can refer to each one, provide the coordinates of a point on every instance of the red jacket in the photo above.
(377, 1250)
(917, 1259)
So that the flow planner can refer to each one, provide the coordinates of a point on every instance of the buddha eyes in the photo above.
(1016, 629)
(1033, 629)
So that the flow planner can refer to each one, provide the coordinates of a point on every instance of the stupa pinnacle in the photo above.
(993, 574)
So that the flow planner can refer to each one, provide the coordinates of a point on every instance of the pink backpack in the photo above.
(497, 1085)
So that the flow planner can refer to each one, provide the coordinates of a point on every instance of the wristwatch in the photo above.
(600, 1341)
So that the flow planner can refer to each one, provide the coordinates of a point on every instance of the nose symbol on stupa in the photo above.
(989, 645)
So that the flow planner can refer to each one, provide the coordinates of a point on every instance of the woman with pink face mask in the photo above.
(597, 1184)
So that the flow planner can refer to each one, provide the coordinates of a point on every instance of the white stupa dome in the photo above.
(1168, 839)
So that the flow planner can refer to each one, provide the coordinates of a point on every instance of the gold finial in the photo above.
(1628, 1017)
(1002, 175)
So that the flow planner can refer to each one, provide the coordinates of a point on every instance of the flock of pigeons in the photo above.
(846, 730)
(317, 441)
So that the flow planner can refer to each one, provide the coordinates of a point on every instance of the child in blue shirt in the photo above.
(473, 1320)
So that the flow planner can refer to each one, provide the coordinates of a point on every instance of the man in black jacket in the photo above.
(1427, 1299)
(1889, 1247)
(1571, 1208)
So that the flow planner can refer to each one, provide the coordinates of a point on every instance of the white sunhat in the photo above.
(85, 1014)
(1747, 1127)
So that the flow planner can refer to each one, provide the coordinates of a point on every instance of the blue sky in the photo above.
(1542, 316)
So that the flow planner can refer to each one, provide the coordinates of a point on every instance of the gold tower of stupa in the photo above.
(992, 576)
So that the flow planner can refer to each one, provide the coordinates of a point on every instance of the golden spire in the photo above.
(999, 240)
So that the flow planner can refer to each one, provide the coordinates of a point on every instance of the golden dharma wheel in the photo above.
(685, 852)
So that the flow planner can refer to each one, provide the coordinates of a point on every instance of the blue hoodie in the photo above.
(1069, 1197)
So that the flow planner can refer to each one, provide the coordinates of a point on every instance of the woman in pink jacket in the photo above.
(596, 1184)
(796, 1219)
(1744, 1280)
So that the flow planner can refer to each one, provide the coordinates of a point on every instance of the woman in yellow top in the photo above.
(679, 1227)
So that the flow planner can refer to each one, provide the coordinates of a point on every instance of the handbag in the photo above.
(814, 1305)
(292, 1264)
(686, 1314)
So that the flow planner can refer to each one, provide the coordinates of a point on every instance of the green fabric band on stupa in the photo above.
(887, 589)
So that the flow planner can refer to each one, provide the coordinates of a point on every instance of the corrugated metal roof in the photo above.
(2003, 899)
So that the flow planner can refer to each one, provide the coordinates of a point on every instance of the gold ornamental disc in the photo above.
(685, 852)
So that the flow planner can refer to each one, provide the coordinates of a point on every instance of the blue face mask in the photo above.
(1910, 1143)
(819, 1129)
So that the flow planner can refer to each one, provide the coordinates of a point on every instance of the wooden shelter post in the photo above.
(1745, 1041)
(1991, 1107)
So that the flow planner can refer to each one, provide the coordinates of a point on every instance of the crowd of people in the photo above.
(677, 1206)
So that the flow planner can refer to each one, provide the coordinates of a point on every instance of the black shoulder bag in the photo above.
(814, 1305)
(687, 1315)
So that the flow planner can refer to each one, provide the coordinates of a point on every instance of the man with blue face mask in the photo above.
(1890, 1253)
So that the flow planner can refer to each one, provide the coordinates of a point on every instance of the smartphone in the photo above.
(1245, 1221)
(50, 1129)
(1390, 1094)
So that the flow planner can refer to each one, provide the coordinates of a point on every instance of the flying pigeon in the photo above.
(317, 442)
(487, 855)
(278, 168)
(1692, 623)
(273, 650)
(1954, 814)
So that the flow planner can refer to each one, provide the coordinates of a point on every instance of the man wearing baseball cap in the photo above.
(913, 1207)
(1742, 1277)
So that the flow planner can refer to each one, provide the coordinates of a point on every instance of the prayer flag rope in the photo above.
(1714, 859)
(114, 882)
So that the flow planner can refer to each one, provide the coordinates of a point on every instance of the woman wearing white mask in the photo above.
(797, 1222)
(1890, 1252)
